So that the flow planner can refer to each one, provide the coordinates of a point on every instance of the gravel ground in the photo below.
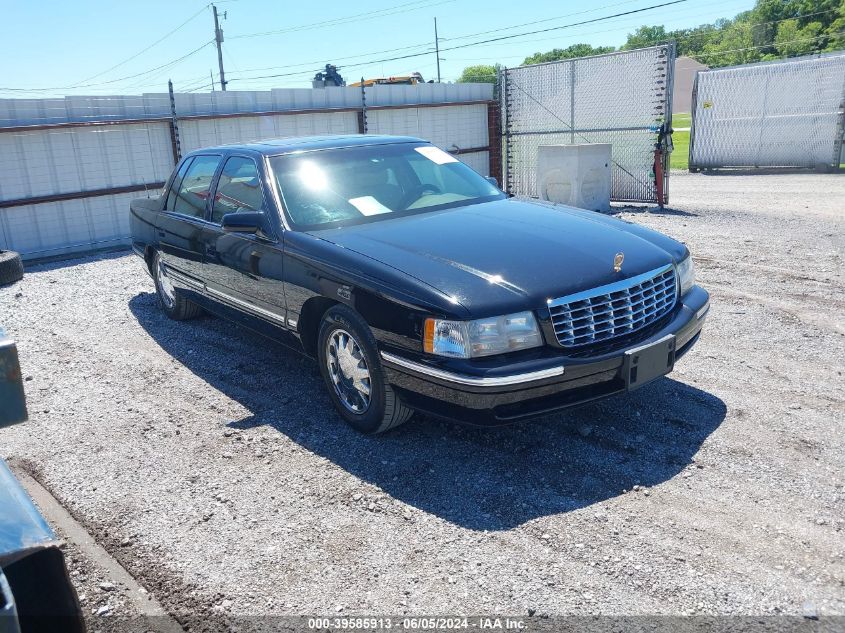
(104, 603)
(217, 460)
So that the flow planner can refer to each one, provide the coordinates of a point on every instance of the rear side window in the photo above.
(174, 186)
(239, 189)
(195, 186)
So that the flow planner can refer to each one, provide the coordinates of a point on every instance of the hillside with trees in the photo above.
(773, 29)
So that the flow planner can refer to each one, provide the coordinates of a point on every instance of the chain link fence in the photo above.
(621, 98)
(774, 114)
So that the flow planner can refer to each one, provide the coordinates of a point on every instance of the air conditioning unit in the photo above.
(575, 175)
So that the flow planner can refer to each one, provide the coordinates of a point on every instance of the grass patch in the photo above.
(684, 119)
(679, 158)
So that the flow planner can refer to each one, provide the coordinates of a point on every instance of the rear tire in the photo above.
(174, 305)
(11, 267)
(351, 368)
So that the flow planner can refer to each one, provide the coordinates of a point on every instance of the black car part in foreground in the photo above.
(36, 595)
(415, 282)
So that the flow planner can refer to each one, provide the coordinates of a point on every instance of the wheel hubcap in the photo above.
(165, 286)
(349, 371)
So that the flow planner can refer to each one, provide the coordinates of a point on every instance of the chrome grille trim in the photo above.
(616, 309)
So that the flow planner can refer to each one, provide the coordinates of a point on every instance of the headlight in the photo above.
(686, 274)
(483, 337)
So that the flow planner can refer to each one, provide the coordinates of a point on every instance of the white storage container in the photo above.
(576, 175)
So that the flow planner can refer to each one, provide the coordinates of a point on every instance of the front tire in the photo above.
(349, 363)
(171, 300)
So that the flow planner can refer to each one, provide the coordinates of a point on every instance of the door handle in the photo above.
(254, 264)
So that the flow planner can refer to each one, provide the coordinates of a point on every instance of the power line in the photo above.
(321, 61)
(112, 81)
(681, 38)
(544, 20)
(377, 13)
(615, 27)
(427, 45)
(496, 39)
(426, 52)
(138, 54)
(733, 50)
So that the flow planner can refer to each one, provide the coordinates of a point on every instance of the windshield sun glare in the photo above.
(328, 188)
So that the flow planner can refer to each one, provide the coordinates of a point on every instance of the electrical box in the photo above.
(575, 175)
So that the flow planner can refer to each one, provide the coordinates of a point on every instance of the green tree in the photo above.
(693, 41)
(836, 30)
(792, 40)
(480, 74)
(645, 36)
(570, 52)
(735, 45)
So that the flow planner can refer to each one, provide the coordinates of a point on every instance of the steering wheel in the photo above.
(418, 192)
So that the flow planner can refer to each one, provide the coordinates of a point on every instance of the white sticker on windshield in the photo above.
(436, 155)
(369, 205)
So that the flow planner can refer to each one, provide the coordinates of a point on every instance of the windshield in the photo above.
(337, 187)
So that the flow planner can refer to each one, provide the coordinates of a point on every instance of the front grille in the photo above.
(614, 310)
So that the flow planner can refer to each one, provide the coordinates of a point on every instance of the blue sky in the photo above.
(98, 47)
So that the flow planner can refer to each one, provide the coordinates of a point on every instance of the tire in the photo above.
(172, 302)
(11, 267)
(384, 410)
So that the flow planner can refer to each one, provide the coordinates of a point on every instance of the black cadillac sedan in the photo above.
(416, 283)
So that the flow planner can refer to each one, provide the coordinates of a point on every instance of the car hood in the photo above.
(508, 255)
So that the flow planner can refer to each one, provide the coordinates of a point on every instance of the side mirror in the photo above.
(253, 222)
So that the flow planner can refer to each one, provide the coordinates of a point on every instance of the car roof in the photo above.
(276, 146)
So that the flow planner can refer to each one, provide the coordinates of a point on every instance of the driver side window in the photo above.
(239, 189)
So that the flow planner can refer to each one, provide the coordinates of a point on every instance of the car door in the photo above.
(244, 271)
(183, 219)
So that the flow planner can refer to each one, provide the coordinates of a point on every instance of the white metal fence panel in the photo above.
(479, 161)
(50, 162)
(452, 128)
(427, 93)
(69, 226)
(15, 112)
(620, 98)
(198, 133)
(69, 167)
(776, 114)
(65, 160)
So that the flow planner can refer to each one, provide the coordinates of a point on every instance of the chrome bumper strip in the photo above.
(184, 279)
(246, 307)
(472, 381)
(703, 311)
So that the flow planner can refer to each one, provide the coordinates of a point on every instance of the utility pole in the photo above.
(437, 49)
(218, 37)
(211, 74)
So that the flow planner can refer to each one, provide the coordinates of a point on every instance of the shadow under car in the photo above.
(478, 478)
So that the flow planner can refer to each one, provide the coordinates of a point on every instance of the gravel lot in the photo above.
(212, 466)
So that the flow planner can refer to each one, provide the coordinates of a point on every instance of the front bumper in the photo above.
(490, 394)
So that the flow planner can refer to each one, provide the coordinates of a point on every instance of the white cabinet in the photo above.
(576, 175)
